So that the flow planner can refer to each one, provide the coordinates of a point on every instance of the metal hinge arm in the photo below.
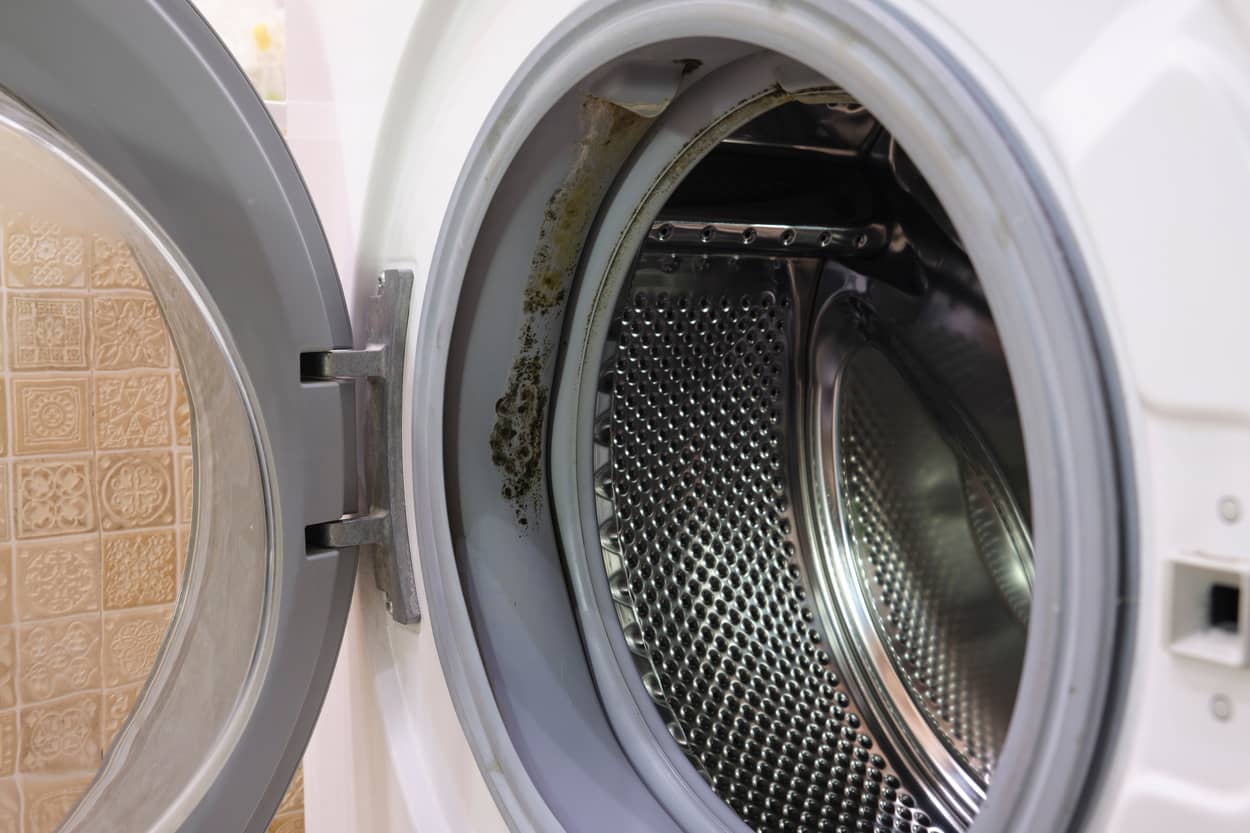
(344, 364)
(350, 531)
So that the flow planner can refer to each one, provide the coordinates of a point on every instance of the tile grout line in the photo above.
(11, 477)
(93, 442)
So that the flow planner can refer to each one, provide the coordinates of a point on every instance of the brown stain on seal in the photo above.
(609, 133)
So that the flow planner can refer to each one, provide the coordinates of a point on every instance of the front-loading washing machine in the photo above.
(759, 416)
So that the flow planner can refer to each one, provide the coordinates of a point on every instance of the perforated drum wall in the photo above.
(700, 541)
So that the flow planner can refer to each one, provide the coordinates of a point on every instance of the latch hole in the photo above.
(1207, 620)
(1224, 607)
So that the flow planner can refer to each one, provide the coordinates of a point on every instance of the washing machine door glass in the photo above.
(168, 629)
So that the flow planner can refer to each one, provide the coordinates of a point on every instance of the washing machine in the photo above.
(751, 416)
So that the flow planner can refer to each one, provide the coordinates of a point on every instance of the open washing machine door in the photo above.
(174, 197)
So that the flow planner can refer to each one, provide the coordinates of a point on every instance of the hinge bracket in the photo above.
(380, 530)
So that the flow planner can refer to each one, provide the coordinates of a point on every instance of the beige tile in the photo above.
(129, 332)
(140, 569)
(47, 801)
(132, 411)
(10, 802)
(113, 265)
(5, 511)
(118, 703)
(186, 486)
(6, 586)
(293, 799)
(291, 823)
(10, 799)
(8, 743)
(61, 736)
(41, 253)
(53, 497)
(136, 489)
(59, 657)
(182, 411)
(57, 578)
(8, 668)
(4, 417)
(47, 331)
(50, 415)
(131, 641)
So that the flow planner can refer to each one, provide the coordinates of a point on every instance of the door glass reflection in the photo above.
(96, 498)
(96, 501)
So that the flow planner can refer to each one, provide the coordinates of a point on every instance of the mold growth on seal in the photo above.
(609, 133)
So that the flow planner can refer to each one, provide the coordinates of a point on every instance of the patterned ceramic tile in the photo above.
(47, 331)
(118, 703)
(57, 578)
(293, 823)
(6, 586)
(10, 802)
(50, 415)
(136, 489)
(129, 332)
(40, 253)
(47, 801)
(53, 497)
(182, 411)
(294, 798)
(59, 657)
(61, 736)
(139, 569)
(131, 641)
(132, 410)
(8, 668)
(113, 265)
(75, 671)
(5, 512)
(8, 743)
(186, 486)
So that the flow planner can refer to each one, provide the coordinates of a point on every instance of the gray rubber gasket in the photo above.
(147, 90)
(1040, 789)
(731, 94)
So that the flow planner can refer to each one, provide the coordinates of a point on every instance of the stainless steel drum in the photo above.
(810, 490)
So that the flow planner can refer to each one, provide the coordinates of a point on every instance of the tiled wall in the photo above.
(95, 503)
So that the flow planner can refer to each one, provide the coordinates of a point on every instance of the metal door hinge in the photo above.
(379, 530)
